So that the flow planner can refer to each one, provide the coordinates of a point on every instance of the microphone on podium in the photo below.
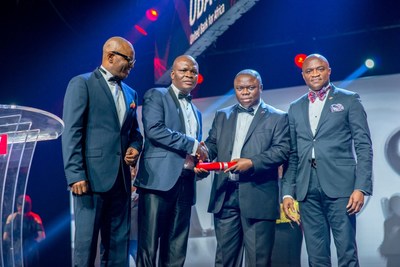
(215, 166)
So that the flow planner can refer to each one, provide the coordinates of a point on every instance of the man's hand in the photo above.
(80, 188)
(134, 195)
(201, 173)
(202, 152)
(131, 156)
(290, 210)
(242, 165)
(356, 202)
(133, 172)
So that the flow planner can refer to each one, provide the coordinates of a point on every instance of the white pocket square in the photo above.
(337, 107)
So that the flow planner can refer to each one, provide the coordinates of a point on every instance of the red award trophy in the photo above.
(215, 166)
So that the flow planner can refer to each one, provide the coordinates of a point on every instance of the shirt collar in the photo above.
(176, 91)
(326, 88)
(106, 74)
(255, 107)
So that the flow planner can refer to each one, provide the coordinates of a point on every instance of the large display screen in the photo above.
(189, 27)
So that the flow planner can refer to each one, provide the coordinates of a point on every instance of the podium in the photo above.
(20, 130)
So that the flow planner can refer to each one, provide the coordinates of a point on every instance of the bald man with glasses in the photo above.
(100, 142)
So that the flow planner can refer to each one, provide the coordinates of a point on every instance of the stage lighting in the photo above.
(200, 79)
(152, 14)
(369, 63)
(299, 59)
(141, 30)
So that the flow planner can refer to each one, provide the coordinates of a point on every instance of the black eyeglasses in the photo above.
(128, 59)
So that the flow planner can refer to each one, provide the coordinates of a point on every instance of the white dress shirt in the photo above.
(243, 122)
(117, 94)
(190, 126)
(314, 114)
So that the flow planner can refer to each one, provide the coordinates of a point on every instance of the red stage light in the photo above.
(152, 14)
(3, 144)
(200, 79)
(141, 30)
(299, 59)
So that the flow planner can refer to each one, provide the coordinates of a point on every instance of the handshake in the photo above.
(201, 153)
(201, 156)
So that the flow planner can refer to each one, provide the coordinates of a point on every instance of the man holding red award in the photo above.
(245, 196)
(165, 179)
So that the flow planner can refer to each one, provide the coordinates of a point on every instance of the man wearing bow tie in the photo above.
(324, 175)
(100, 141)
(245, 197)
(166, 178)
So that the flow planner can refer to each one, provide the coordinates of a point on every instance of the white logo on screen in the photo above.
(197, 8)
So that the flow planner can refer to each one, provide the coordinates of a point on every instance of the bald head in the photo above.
(186, 58)
(316, 56)
(250, 72)
(118, 56)
(114, 43)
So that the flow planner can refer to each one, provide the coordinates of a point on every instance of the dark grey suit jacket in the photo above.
(266, 144)
(93, 142)
(166, 144)
(342, 129)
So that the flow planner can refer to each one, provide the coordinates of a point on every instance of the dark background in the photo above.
(45, 43)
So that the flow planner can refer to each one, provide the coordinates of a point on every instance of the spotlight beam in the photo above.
(356, 74)
(219, 103)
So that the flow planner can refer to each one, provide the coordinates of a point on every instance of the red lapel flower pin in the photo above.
(132, 105)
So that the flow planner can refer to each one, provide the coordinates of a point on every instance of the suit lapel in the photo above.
(195, 111)
(106, 89)
(178, 108)
(325, 110)
(261, 112)
(231, 124)
(305, 114)
(126, 100)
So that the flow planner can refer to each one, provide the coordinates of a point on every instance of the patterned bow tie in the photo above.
(312, 95)
(187, 97)
(246, 110)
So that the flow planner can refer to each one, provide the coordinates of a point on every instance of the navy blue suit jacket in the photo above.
(166, 144)
(342, 129)
(93, 142)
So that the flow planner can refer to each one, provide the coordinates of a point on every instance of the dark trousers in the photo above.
(164, 221)
(236, 233)
(287, 246)
(108, 213)
(320, 215)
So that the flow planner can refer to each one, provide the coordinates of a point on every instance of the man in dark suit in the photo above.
(245, 197)
(327, 126)
(166, 179)
(101, 139)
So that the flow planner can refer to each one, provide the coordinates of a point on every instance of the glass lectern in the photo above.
(20, 129)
